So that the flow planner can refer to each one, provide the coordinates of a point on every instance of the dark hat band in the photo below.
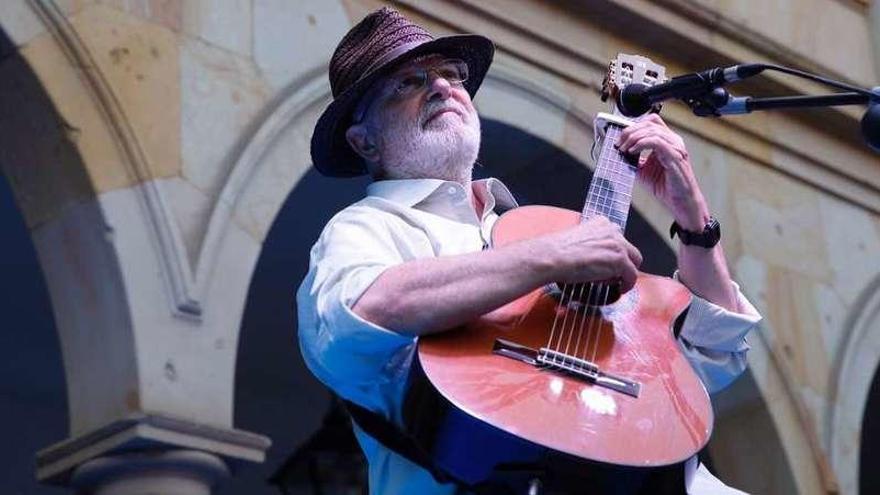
(391, 55)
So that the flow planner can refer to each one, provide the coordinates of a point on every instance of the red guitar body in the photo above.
(669, 421)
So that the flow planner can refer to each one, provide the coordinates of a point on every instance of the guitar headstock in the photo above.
(627, 69)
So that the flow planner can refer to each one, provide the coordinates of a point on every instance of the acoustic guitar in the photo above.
(568, 378)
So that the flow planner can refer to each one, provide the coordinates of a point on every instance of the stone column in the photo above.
(174, 472)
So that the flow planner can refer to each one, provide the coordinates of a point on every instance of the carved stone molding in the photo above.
(852, 375)
(177, 272)
(311, 89)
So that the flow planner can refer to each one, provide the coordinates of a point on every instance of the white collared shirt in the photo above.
(404, 220)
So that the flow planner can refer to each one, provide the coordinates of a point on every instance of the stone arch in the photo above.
(852, 376)
(74, 244)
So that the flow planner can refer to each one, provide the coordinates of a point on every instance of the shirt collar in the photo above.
(410, 192)
(407, 192)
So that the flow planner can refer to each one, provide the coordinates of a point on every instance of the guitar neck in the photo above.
(610, 193)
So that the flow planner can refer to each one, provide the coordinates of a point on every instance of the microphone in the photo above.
(637, 99)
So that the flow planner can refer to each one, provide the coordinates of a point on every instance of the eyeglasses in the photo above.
(411, 81)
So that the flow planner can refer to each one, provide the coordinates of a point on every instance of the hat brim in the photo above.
(331, 153)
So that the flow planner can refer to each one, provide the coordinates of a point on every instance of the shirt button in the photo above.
(451, 190)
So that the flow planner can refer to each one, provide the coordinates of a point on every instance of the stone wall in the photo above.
(163, 137)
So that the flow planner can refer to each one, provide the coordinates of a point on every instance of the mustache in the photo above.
(432, 108)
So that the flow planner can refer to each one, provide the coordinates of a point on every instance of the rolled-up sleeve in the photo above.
(345, 351)
(714, 339)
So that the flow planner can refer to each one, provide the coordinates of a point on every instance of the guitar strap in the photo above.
(394, 438)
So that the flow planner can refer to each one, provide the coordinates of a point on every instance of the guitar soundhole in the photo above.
(591, 295)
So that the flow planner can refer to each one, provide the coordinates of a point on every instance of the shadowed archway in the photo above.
(33, 395)
(869, 477)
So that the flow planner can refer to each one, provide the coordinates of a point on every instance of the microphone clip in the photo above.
(708, 103)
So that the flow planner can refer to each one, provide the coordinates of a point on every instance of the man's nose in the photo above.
(438, 87)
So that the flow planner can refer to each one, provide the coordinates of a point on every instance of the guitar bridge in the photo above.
(570, 365)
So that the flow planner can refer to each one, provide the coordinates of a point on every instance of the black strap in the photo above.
(395, 439)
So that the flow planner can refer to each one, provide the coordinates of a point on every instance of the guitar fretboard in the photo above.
(610, 193)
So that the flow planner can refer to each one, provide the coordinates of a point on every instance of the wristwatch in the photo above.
(708, 238)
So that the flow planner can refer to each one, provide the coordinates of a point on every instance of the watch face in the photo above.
(711, 233)
(708, 238)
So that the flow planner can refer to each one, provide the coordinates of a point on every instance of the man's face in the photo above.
(423, 131)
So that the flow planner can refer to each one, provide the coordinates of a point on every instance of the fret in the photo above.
(628, 179)
(623, 166)
(618, 218)
(615, 191)
(605, 199)
(605, 211)
(609, 194)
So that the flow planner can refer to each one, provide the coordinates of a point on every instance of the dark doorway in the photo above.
(33, 394)
(869, 476)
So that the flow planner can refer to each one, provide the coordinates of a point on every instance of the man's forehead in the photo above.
(420, 61)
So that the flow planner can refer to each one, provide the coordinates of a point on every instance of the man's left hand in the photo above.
(666, 170)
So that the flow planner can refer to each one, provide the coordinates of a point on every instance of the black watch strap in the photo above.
(708, 238)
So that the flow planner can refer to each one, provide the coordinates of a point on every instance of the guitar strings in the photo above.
(562, 332)
(584, 306)
(577, 305)
(556, 317)
(587, 310)
(595, 326)
(561, 306)
(599, 326)
(627, 183)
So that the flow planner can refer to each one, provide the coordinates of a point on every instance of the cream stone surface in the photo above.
(182, 372)
(779, 221)
(832, 312)
(291, 39)
(20, 22)
(140, 62)
(786, 418)
(227, 25)
(853, 243)
(793, 319)
(192, 209)
(278, 171)
(796, 25)
(86, 125)
(221, 95)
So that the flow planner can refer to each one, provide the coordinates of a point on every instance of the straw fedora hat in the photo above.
(373, 48)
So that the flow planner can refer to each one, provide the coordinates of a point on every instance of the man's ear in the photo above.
(359, 139)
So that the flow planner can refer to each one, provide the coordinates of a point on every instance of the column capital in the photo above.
(148, 432)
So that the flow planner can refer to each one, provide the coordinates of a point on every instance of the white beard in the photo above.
(445, 149)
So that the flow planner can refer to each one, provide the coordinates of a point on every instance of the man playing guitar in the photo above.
(409, 260)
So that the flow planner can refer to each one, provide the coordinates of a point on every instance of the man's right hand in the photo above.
(593, 251)
(429, 295)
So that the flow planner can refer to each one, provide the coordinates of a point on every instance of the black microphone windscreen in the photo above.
(633, 101)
